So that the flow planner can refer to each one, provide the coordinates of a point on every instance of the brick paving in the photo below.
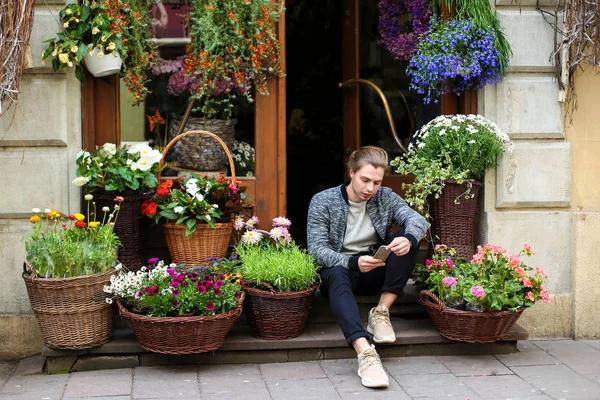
(542, 370)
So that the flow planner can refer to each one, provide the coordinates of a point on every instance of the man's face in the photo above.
(365, 182)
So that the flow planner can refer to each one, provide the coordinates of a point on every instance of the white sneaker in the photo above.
(380, 326)
(370, 370)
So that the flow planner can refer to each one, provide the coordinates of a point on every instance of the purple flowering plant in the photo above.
(162, 290)
(454, 56)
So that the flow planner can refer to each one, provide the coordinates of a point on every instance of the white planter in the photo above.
(107, 65)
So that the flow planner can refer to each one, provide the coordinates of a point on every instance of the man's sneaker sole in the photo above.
(378, 340)
(373, 384)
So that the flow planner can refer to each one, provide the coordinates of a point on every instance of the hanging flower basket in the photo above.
(72, 313)
(107, 65)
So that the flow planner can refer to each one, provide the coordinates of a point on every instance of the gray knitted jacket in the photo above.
(328, 214)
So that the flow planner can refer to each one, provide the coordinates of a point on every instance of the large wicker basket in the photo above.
(205, 242)
(468, 326)
(454, 224)
(181, 335)
(72, 312)
(278, 315)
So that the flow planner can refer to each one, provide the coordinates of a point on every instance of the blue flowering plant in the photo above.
(454, 56)
(170, 290)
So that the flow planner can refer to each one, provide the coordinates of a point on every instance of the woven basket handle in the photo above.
(206, 133)
(263, 284)
(425, 296)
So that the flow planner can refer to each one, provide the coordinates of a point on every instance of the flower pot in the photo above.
(72, 312)
(184, 334)
(198, 152)
(278, 315)
(204, 243)
(103, 66)
(455, 224)
(127, 227)
(468, 326)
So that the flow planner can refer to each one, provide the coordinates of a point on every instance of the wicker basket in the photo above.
(278, 315)
(468, 326)
(194, 249)
(205, 242)
(454, 224)
(181, 335)
(72, 312)
(202, 153)
(127, 227)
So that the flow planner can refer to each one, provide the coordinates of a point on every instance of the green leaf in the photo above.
(79, 72)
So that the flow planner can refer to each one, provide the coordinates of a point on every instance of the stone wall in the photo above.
(37, 153)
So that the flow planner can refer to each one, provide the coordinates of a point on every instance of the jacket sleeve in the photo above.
(318, 230)
(415, 225)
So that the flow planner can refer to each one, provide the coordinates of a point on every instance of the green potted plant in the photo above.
(480, 299)
(69, 260)
(127, 172)
(108, 36)
(280, 279)
(448, 158)
(196, 214)
(177, 310)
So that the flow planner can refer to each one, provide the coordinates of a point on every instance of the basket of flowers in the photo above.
(197, 212)
(478, 301)
(177, 310)
(69, 260)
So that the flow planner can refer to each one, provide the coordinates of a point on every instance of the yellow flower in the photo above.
(35, 219)
(239, 275)
(68, 11)
(79, 217)
(94, 30)
(53, 214)
(100, 55)
(63, 57)
(94, 224)
(74, 49)
(111, 46)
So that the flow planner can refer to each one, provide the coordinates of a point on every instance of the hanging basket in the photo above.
(205, 242)
(181, 335)
(468, 326)
(278, 315)
(109, 64)
(72, 312)
(455, 224)
(128, 226)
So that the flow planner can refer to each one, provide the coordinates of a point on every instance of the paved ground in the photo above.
(544, 369)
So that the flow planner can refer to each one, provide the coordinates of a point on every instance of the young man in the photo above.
(345, 225)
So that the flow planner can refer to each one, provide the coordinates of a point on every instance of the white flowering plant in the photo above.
(162, 290)
(271, 259)
(195, 199)
(124, 170)
(243, 158)
(450, 148)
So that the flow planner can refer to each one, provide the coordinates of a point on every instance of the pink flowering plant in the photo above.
(162, 290)
(271, 259)
(491, 281)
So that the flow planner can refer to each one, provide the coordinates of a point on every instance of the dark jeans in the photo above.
(341, 284)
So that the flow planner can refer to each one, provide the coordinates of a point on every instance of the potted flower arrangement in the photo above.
(108, 36)
(197, 215)
(481, 299)
(177, 310)
(127, 172)
(69, 260)
(281, 279)
(449, 157)
(244, 158)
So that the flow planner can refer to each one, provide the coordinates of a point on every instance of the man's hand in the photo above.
(367, 263)
(399, 246)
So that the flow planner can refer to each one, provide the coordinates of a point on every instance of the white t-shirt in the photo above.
(360, 232)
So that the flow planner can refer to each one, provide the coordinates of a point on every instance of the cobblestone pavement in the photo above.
(543, 369)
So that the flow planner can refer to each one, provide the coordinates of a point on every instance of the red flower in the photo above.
(80, 224)
(210, 306)
(72, 217)
(149, 207)
(119, 199)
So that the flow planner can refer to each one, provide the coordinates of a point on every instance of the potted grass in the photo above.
(69, 261)
(177, 310)
(280, 279)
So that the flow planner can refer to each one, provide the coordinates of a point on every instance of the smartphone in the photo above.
(382, 253)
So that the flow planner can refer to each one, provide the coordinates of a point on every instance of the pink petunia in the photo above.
(210, 306)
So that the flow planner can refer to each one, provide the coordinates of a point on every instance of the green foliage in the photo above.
(458, 147)
(118, 170)
(63, 247)
(285, 267)
(171, 290)
(492, 279)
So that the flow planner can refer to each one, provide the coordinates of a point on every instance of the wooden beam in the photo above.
(351, 65)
